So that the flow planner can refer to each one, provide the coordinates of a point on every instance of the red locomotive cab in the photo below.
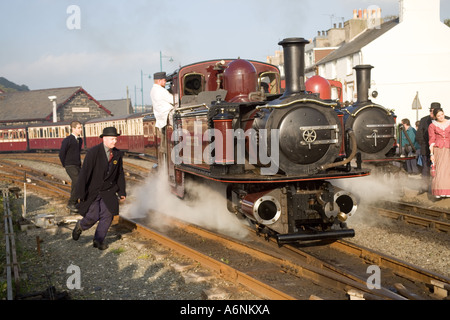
(320, 85)
(240, 79)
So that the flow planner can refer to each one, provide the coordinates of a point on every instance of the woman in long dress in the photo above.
(439, 132)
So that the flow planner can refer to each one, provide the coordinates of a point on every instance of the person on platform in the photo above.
(70, 157)
(100, 187)
(409, 146)
(439, 135)
(422, 138)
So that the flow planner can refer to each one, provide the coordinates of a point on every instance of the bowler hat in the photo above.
(435, 105)
(159, 75)
(109, 132)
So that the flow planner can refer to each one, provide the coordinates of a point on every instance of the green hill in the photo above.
(9, 86)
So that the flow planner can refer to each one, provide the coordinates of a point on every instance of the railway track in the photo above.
(280, 273)
(432, 218)
(288, 272)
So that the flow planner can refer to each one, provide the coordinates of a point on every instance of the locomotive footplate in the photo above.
(257, 178)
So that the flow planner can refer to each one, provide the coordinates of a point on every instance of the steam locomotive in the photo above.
(275, 153)
(374, 125)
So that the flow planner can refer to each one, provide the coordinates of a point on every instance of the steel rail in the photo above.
(11, 256)
(226, 271)
(400, 267)
(435, 224)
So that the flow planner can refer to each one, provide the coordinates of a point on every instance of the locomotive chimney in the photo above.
(294, 65)
(363, 82)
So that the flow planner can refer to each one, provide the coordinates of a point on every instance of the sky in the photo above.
(106, 46)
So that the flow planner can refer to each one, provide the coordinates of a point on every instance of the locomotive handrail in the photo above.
(388, 112)
(276, 106)
(347, 160)
(196, 106)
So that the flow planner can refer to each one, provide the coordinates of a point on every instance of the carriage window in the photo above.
(269, 81)
(122, 128)
(140, 126)
(193, 84)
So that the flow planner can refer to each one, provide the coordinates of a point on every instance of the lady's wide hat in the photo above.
(109, 132)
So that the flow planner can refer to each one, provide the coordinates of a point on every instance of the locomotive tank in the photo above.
(373, 124)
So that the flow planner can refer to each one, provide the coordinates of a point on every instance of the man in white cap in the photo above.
(162, 101)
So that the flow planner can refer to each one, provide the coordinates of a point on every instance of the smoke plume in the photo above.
(205, 206)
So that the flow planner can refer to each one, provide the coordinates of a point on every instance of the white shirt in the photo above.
(162, 101)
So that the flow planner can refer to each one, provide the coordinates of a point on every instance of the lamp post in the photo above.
(160, 59)
(142, 88)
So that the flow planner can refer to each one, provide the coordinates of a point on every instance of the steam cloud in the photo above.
(206, 207)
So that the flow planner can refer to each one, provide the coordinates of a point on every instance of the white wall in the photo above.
(414, 56)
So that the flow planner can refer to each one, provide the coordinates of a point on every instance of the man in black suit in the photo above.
(422, 138)
(69, 154)
(100, 187)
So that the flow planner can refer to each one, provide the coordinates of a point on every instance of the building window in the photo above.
(350, 92)
(349, 65)
(334, 70)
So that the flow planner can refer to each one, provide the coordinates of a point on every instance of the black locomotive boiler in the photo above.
(276, 154)
(374, 125)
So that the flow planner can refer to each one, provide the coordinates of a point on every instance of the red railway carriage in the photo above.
(94, 128)
(48, 136)
(130, 127)
(151, 137)
(135, 130)
(13, 139)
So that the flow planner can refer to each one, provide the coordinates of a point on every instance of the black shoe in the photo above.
(77, 231)
(100, 245)
(72, 208)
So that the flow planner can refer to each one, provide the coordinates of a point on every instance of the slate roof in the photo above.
(35, 105)
(359, 42)
(118, 107)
